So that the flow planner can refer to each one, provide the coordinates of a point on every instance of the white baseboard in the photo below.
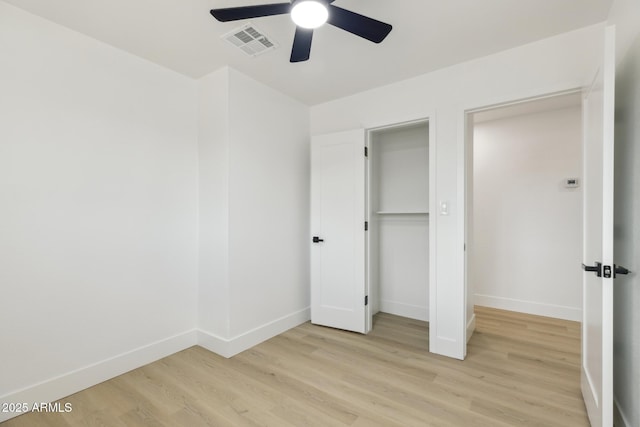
(88, 376)
(228, 347)
(404, 310)
(619, 419)
(214, 343)
(64, 385)
(471, 326)
(529, 307)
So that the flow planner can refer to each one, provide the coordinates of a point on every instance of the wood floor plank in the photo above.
(520, 370)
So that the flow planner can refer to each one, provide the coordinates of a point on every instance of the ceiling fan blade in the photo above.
(246, 12)
(301, 45)
(360, 25)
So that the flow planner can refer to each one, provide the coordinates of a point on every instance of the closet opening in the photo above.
(397, 259)
(524, 210)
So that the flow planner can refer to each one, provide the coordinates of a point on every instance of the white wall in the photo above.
(625, 15)
(559, 63)
(258, 201)
(98, 210)
(527, 227)
(269, 205)
(213, 196)
(401, 169)
(626, 350)
(404, 265)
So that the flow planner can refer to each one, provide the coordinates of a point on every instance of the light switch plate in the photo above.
(444, 208)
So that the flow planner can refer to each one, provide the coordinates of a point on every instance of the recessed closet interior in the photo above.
(398, 202)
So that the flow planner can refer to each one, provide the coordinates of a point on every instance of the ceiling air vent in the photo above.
(250, 40)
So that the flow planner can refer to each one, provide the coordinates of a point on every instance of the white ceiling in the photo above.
(427, 35)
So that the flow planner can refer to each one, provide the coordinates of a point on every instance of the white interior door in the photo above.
(597, 325)
(338, 233)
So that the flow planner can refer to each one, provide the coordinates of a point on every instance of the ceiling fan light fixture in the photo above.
(310, 14)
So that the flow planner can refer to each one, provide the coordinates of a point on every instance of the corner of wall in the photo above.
(229, 347)
(213, 202)
(625, 15)
(619, 418)
(65, 385)
(471, 326)
(245, 128)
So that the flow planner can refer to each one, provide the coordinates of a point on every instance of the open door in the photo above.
(598, 262)
(338, 288)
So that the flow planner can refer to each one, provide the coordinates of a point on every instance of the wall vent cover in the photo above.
(250, 40)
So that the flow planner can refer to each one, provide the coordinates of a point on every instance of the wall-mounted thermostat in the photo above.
(572, 183)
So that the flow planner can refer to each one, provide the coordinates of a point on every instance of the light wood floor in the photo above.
(521, 370)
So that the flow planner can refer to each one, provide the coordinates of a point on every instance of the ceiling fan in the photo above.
(308, 15)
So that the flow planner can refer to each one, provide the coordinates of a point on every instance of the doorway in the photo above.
(398, 220)
(524, 208)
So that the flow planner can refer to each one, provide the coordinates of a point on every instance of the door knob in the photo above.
(618, 269)
(594, 268)
(598, 269)
(316, 239)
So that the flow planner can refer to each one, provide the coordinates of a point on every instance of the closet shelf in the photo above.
(402, 213)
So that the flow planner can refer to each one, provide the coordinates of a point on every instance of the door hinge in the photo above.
(366, 300)
(366, 151)
(366, 226)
